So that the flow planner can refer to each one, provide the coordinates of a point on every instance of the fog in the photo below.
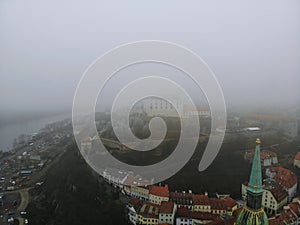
(253, 47)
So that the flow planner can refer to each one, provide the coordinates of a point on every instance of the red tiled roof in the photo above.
(297, 156)
(203, 215)
(279, 193)
(181, 198)
(134, 201)
(166, 207)
(201, 199)
(284, 176)
(149, 210)
(286, 216)
(183, 212)
(295, 208)
(229, 202)
(162, 191)
(226, 203)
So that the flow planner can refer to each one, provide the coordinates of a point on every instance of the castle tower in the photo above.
(253, 212)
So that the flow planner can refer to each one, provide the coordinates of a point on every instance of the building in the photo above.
(201, 203)
(144, 212)
(167, 213)
(182, 199)
(137, 187)
(148, 214)
(286, 178)
(201, 111)
(297, 160)
(274, 197)
(188, 217)
(115, 177)
(253, 212)
(223, 205)
(183, 216)
(158, 106)
(268, 158)
(290, 215)
(133, 208)
(157, 194)
(141, 192)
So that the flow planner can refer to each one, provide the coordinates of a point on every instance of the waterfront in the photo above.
(9, 132)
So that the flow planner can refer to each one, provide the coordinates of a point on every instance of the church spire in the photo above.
(255, 182)
(253, 212)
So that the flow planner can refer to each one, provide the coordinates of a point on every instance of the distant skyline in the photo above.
(252, 47)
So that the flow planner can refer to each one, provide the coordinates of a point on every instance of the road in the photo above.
(24, 201)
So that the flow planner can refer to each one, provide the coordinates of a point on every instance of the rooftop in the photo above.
(166, 207)
(284, 176)
(162, 191)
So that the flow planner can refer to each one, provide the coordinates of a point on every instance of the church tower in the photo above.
(253, 212)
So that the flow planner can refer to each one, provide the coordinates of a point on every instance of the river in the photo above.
(9, 132)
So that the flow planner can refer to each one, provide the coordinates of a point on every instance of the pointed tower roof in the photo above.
(255, 182)
(253, 213)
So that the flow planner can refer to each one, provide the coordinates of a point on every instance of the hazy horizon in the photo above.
(252, 47)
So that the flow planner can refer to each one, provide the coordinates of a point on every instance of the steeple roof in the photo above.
(255, 182)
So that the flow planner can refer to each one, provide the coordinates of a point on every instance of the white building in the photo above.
(158, 194)
(183, 217)
(284, 177)
(115, 177)
(274, 197)
(167, 213)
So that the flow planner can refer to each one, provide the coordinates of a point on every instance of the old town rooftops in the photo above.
(166, 207)
(201, 199)
(162, 191)
(284, 176)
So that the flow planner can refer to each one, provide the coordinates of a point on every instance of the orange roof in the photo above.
(279, 193)
(183, 212)
(201, 199)
(297, 156)
(286, 216)
(162, 191)
(166, 207)
(226, 203)
(295, 208)
(284, 176)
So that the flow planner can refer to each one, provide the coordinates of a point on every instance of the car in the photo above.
(26, 221)
(23, 213)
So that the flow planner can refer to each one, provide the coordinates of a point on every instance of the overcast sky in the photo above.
(253, 47)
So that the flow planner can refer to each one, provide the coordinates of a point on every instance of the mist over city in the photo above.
(226, 149)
